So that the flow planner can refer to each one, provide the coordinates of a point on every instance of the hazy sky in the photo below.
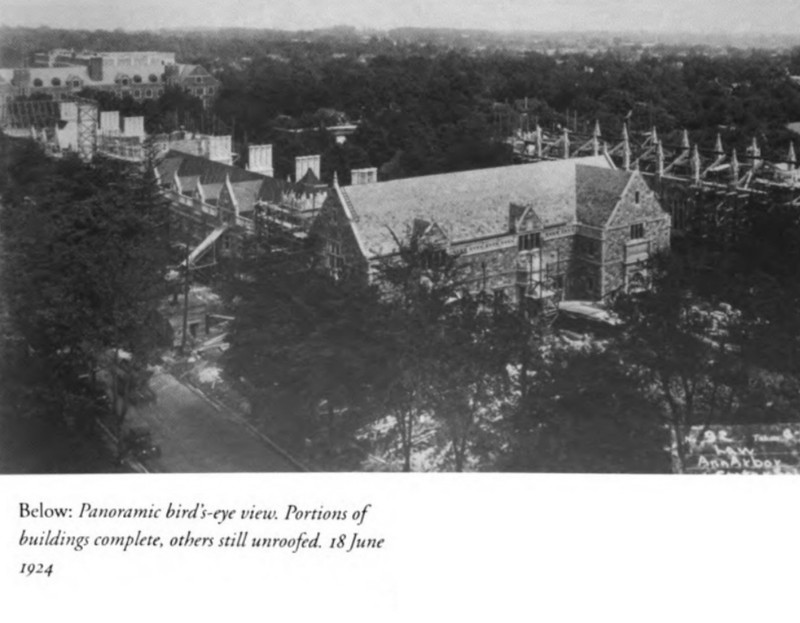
(780, 16)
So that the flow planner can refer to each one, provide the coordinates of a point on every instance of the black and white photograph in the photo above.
(326, 246)
(511, 239)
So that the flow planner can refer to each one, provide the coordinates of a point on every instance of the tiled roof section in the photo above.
(248, 187)
(212, 191)
(186, 71)
(167, 169)
(466, 205)
(598, 191)
(209, 171)
(189, 182)
(309, 181)
(247, 194)
(272, 190)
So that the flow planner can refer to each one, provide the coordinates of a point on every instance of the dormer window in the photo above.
(432, 259)
(37, 82)
(528, 242)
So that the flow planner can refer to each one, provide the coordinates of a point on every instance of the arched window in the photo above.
(56, 82)
(37, 82)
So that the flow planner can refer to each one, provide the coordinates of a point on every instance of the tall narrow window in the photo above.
(636, 197)
(527, 242)
(335, 258)
(637, 231)
(432, 259)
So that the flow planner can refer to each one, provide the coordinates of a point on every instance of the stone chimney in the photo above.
(133, 126)
(68, 111)
(363, 176)
(303, 163)
(109, 122)
(259, 159)
(219, 149)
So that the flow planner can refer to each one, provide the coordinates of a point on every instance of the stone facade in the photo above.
(535, 254)
(139, 75)
(625, 250)
(341, 252)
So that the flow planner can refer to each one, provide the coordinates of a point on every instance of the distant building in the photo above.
(140, 75)
(216, 205)
(577, 228)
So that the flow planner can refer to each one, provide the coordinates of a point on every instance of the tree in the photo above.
(418, 284)
(587, 414)
(303, 344)
(83, 270)
(682, 348)
(467, 386)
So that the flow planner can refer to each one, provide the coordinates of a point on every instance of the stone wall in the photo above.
(617, 261)
(333, 226)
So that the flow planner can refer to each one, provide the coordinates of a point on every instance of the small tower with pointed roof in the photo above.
(626, 148)
(718, 145)
(695, 161)
(734, 167)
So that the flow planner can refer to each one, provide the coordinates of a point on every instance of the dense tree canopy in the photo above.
(84, 251)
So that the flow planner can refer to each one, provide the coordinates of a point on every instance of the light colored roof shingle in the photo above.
(598, 191)
(466, 205)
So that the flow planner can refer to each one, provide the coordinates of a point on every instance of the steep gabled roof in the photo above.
(209, 171)
(189, 182)
(466, 205)
(167, 168)
(247, 193)
(248, 187)
(597, 193)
